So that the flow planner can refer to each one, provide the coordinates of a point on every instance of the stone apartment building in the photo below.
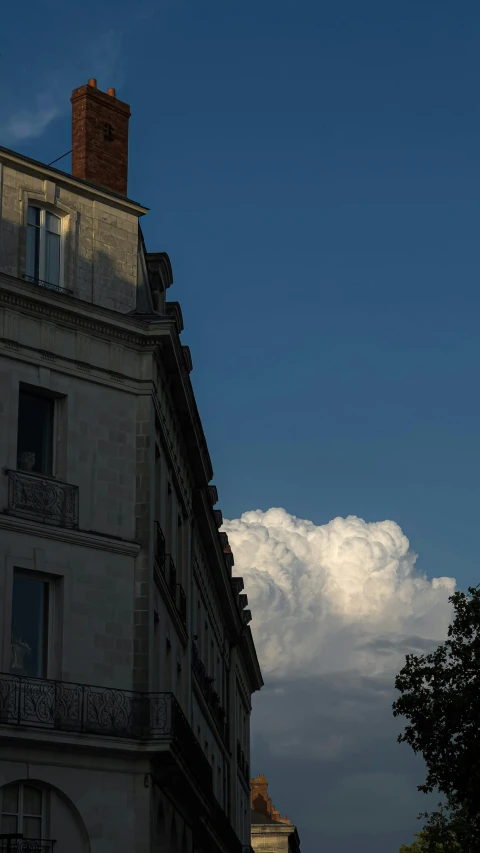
(271, 833)
(127, 658)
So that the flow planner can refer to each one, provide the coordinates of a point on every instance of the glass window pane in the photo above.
(32, 827)
(32, 801)
(52, 258)
(33, 216)
(35, 433)
(32, 268)
(29, 627)
(53, 223)
(10, 799)
(9, 823)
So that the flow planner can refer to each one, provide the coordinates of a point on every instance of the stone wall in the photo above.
(100, 237)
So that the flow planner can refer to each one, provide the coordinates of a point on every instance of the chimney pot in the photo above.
(92, 82)
(111, 92)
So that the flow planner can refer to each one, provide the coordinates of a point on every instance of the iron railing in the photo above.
(210, 695)
(159, 546)
(17, 844)
(165, 565)
(42, 498)
(182, 605)
(47, 284)
(172, 577)
(87, 709)
(242, 763)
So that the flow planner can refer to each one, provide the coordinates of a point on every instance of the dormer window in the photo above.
(44, 248)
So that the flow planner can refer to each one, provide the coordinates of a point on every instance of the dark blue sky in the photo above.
(312, 169)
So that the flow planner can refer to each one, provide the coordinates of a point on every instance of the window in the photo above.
(35, 432)
(23, 810)
(44, 247)
(29, 626)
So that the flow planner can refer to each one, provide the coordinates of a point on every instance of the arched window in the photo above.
(44, 247)
(23, 810)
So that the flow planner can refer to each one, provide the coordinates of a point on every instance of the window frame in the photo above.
(42, 230)
(49, 616)
(55, 624)
(20, 816)
(33, 391)
(59, 429)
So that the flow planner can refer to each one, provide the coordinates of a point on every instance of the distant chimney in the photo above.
(260, 801)
(100, 137)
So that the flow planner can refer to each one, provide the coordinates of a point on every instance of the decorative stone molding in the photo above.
(72, 537)
(159, 270)
(173, 310)
(212, 494)
(237, 585)
(75, 313)
(187, 357)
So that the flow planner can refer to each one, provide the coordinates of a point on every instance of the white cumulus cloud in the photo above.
(336, 607)
(343, 596)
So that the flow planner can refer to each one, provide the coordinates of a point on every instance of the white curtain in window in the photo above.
(43, 256)
(52, 249)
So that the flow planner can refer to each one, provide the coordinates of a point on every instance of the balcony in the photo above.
(159, 547)
(18, 844)
(210, 695)
(166, 578)
(242, 763)
(86, 709)
(172, 577)
(41, 498)
(47, 284)
(182, 604)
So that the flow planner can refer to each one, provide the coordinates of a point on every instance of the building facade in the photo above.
(126, 654)
(271, 833)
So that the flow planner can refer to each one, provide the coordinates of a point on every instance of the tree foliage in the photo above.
(426, 843)
(441, 700)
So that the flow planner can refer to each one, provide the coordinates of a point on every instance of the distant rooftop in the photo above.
(262, 807)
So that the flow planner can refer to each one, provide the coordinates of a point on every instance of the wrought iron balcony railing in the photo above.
(175, 589)
(172, 577)
(86, 709)
(18, 844)
(182, 604)
(210, 695)
(42, 498)
(159, 546)
(47, 284)
(242, 763)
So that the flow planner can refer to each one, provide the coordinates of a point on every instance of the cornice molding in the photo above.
(71, 311)
(83, 187)
(273, 828)
(72, 537)
(173, 310)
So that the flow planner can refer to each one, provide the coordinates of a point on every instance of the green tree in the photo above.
(441, 700)
(422, 844)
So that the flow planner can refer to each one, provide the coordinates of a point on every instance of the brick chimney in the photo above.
(261, 803)
(100, 137)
